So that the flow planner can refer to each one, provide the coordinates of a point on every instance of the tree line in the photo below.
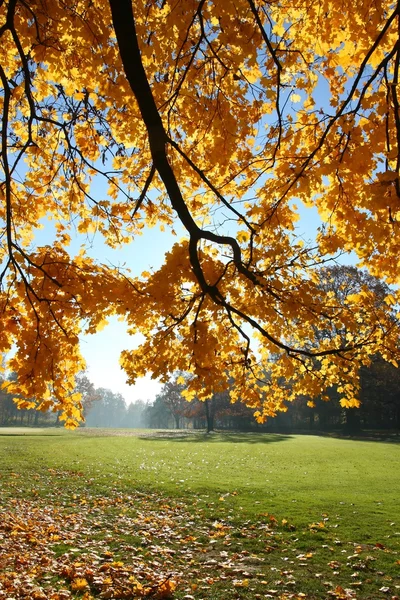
(379, 409)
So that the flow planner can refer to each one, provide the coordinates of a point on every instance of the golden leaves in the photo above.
(261, 106)
(31, 532)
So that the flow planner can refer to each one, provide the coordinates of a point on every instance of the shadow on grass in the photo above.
(201, 436)
(392, 437)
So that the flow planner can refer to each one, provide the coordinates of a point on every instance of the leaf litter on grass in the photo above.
(60, 545)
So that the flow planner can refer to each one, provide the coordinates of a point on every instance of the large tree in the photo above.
(221, 115)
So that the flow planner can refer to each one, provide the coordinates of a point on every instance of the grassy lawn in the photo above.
(122, 514)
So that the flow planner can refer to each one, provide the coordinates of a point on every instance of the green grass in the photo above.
(290, 514)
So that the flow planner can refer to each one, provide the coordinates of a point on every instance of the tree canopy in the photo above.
(225, 116)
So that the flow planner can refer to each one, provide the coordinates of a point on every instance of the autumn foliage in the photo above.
(226, 116)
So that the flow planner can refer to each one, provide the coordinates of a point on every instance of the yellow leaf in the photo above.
(79, 584)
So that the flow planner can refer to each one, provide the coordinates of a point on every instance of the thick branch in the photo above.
(125, 30)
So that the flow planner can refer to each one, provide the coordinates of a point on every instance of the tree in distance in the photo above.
(223, 116)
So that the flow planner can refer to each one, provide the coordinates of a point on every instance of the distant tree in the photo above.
(221, 413)
(204, 413)
(353, 294)
(10, 415)
(171, 396)
(109, 410)
(157, 415)
(86, 389)
(135, 414)
(89, 394)
(216, 412)
(195, 413)
(380, 395)
(8, 408)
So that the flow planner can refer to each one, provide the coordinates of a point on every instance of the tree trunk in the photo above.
(352, 423)
(209, 416)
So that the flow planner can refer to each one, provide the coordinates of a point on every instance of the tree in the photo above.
(221, 115)
(380, 394)
(171, 396)
(342, 283)
(11, 416)
(87, 391)
(157, 415)
(135, 414)
(109, 410)
(219, 412)
(7, 407)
